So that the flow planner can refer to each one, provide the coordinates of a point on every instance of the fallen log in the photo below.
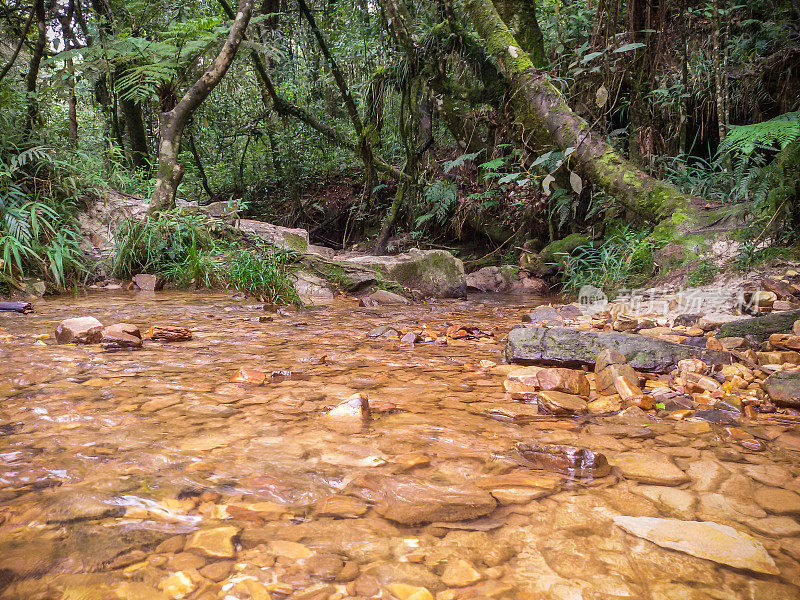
(20, 307)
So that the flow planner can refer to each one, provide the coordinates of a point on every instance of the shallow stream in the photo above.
(109, 461)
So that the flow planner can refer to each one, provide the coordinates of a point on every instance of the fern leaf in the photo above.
(781, 130)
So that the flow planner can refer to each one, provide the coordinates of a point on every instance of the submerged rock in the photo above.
(81, 330)
(559, 403)
(460, 573)
(704, 539)
(216, 543)
(571, 347)
(386, 331)
(434, 273)
(576, 462)
(649, 467)
(413, 501)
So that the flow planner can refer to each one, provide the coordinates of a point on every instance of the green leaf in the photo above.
(459, 161)
(541, 159)
(493, 165)
(629, 47)
(509, 178)
(592, 55)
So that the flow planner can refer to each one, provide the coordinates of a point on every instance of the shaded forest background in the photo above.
(401, 123)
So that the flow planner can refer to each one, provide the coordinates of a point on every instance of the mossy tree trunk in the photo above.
(542, 108)
(172, 123)
(520, 16)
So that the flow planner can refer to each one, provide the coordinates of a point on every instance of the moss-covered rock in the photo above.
(571, 347)
(554, 252)
(281, 237)
(760, 328)
(347, 275)
(784, 388)
(435, 273)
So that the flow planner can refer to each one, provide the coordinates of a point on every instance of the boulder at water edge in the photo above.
(571, 347)
(281, 237)
(434, 273)
(784, 388)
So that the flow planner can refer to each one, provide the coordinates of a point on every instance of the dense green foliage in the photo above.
(702, 93)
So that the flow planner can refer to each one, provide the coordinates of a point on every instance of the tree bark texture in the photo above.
(520, 16)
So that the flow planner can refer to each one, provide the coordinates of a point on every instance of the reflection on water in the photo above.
(149, 474)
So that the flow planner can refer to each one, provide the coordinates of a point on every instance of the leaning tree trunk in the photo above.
(539, 106)
(15, 53)
(172, 123)
(520, 16)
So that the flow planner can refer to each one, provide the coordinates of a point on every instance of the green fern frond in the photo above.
(780, 131)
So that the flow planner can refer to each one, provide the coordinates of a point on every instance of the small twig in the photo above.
(493, 251)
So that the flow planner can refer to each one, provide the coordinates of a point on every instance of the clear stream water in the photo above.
(110, 460)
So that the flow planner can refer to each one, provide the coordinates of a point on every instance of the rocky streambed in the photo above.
(345, 451)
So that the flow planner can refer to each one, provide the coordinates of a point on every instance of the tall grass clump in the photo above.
(623, 260)
(156, 244)
(38, 237)
(191, 250)
(267, 274)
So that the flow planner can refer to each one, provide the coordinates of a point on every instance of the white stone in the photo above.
(704, 539)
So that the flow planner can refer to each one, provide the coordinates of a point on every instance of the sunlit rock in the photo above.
(355, 407)
(703, 539)
(217, 542)
(80, 330)
(121, 336)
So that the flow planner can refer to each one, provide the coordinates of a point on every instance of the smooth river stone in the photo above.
(778, 501)
(649, 467)
(704, 539)
(217, 542)
(413, 501)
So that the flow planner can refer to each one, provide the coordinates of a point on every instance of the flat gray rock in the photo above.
(571, 348)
